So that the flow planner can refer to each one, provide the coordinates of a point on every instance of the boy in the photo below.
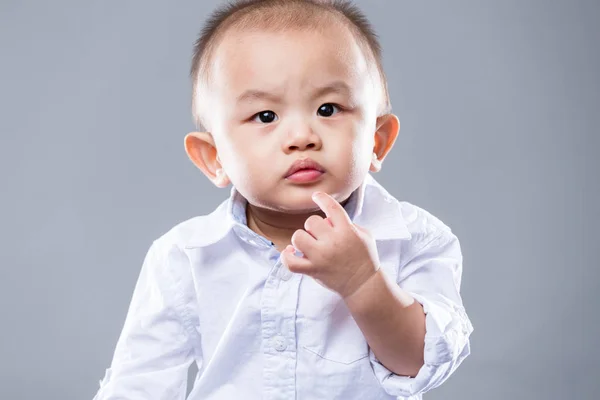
(310, 281)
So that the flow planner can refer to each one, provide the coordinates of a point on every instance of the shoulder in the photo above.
(420, 222)
(195, 231)
(429, 234)
(168, 258)
(398, 218)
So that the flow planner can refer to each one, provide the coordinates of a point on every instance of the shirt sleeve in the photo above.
(153, 352)
(433, 278)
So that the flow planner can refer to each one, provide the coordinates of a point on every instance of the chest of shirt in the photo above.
(246, 297)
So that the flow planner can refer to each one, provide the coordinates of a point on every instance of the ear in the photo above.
(200, 148)
(387, 128)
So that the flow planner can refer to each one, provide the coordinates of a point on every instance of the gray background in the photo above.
(499, 103)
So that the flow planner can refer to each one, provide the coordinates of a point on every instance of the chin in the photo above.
(298, 206)
(301, 201)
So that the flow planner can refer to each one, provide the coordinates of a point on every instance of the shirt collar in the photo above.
(373, 208)
(369, 206)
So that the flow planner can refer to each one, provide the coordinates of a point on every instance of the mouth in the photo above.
(304, 170)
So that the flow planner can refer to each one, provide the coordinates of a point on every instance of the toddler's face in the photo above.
(276, 98)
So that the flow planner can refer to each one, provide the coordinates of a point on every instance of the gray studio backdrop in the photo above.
(499, 104)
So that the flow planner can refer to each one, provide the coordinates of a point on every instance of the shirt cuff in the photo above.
(446, 345)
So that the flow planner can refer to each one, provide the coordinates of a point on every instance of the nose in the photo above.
(302, 138)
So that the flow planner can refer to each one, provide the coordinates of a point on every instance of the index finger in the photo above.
(332, 209)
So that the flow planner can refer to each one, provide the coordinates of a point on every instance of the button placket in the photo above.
(279, 343)
(278, 311)
(284, 273)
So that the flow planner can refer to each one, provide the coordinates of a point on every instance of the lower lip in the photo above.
(305, 175)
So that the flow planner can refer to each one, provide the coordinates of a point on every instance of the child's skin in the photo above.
(338, 129)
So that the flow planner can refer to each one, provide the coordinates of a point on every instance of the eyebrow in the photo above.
(335, 87)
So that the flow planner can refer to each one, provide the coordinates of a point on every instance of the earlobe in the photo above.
(375, 163)
(201, 150)
(387, 128)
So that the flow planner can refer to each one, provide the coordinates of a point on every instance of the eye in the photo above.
(265, 117)
(327, 109)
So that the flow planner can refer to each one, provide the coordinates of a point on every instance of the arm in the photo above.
(435, 325)
(343, 257)
(154, 350)
(392, 322)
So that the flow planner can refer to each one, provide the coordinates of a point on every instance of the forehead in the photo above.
(288, 59)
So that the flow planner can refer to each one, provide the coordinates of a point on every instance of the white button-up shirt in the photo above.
(214, 292)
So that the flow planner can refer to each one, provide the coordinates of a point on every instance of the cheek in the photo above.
(362, 152)
(358, 150)
(365, 142)
(244, 162)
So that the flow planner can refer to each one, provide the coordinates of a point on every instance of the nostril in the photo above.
(310, 145)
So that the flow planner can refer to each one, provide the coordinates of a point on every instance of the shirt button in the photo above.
(279, 343)
(285, 274)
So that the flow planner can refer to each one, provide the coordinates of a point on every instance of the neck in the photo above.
(276, 226)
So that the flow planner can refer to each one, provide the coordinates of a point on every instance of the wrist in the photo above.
(364, 289)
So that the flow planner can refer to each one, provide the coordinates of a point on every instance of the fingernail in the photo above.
(315, 194)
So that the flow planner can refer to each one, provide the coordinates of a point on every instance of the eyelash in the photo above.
(340, 109)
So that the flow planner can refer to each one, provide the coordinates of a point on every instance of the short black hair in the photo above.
(281, 14)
